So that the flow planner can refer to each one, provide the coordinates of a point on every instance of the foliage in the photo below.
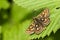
(16, 16)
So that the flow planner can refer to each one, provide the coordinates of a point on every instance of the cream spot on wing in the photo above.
(36, 25)
(32, 29)
(42, 19)
(31, 32)
(45, 19)
(43, 13)
(37, 28)
(33, 24)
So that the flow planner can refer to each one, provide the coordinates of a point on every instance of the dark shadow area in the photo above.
(4, 15)
(10, 1)
(6, 12)
(32, 14)
(57, 35)
(1, 36)
(58, 8)
(52, 36)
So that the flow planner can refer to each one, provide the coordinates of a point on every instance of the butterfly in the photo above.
(39, 22)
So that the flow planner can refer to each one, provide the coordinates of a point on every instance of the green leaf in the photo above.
(23, 10)
(35, 4)
(4, 4)
(0, 29)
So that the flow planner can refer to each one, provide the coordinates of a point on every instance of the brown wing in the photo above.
(39, 22)
(43, 14)
(31, 28)
(39, 28)
(46, 21)
(43, 20)
(44, 17)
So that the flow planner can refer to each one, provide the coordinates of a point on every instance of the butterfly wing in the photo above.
(44, 17)
(44, 13)
(31, 28)
(39, 23)
(39, 29)
(43, 20)
(46, 22)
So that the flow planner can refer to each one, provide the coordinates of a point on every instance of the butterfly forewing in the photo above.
(39, 22)
(31, 28)
(44, 13)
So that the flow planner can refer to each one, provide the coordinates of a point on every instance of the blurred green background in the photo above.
(16, 16)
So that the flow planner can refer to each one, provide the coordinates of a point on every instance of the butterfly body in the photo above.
(39, 23)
